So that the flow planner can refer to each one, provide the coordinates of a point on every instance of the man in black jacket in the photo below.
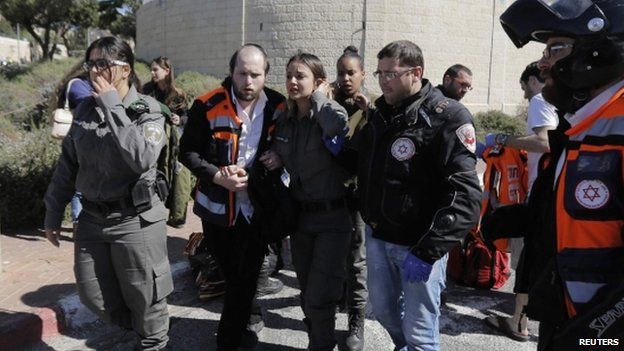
(419, 192)
(228, 130)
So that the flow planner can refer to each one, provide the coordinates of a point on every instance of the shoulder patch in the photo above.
(153, 133)
(441, 106)
(466, 135)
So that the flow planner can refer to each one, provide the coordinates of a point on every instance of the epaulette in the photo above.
(139, 107)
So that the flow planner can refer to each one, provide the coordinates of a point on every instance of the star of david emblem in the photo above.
(403, 149)
(592, 193)
(588, 192)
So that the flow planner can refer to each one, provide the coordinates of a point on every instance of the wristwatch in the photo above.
(501, 139)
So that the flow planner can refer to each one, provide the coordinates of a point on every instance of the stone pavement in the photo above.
(36, 276)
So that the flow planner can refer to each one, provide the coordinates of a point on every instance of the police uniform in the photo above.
(121, 264)
(320, 246)
(356, 292)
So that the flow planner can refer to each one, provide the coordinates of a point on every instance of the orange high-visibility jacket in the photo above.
(505, 181)
(590, 205)
(213, 202)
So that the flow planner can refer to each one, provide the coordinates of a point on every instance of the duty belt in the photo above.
(326, 205)
(107, 207)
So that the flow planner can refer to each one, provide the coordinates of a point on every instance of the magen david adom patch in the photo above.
(153, 133)
(592, 194)
(466, 134)
(403, 149)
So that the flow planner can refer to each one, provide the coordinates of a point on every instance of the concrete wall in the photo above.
(9, 50)
(201, 35)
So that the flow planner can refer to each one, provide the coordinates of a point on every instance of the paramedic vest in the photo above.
(213, 202)
(590, 205)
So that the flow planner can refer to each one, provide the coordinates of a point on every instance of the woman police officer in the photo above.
(109, 155)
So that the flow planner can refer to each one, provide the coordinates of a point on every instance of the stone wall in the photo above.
(201, 35)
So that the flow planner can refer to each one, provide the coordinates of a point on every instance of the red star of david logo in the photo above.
(403, 149)
(468, 137)
(591, 193)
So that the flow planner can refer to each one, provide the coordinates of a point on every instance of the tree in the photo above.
(47, 21)
(119, 16)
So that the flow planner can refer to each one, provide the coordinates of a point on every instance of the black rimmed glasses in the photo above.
(555, 49)
(101, 64)
(464, 86)
(390, 75)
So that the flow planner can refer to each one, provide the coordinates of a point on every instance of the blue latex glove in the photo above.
(334, 144)
(490, 140)
(480, 149)
(415, 269)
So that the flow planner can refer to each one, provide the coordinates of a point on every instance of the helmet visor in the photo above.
(567, 9)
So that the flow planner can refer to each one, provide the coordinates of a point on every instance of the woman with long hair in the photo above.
(320, 244)
(109, 155)
(162, 87)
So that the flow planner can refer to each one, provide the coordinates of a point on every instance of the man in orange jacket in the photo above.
(575, 244)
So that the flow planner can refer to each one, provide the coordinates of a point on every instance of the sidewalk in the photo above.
(36, 277)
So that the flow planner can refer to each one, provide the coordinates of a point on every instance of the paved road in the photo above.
(194, 323)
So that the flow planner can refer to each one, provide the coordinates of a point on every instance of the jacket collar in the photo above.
(408, 107)
(130, 97)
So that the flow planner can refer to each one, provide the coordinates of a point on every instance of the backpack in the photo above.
(475, 263)
(478, 265)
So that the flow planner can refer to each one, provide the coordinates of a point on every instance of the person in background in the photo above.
(541, 117)
(162, 87)
(349, 94)
(79, 89)
(228, 130)
(456, 82)
(321, 242)
(418, 191)
(109, 155)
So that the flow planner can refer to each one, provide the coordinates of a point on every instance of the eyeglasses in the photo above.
(390, 75)
(555, 49)
(464, 86)
(101, 64)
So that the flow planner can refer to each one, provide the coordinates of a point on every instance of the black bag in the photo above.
(277, 211)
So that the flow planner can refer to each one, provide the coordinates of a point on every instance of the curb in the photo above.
(21, 329)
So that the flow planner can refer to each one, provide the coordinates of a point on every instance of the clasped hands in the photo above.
(233, 178)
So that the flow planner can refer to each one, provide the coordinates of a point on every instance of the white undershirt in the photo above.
(251, 131)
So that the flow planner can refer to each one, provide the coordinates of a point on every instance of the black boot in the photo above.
(267, 285)
(355, 336)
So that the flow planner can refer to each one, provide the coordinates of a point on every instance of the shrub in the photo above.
(25, 97)
(27, 161)
(195, 83)
(495, 121)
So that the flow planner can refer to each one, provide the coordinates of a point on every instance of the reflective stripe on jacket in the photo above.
(210, 142)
